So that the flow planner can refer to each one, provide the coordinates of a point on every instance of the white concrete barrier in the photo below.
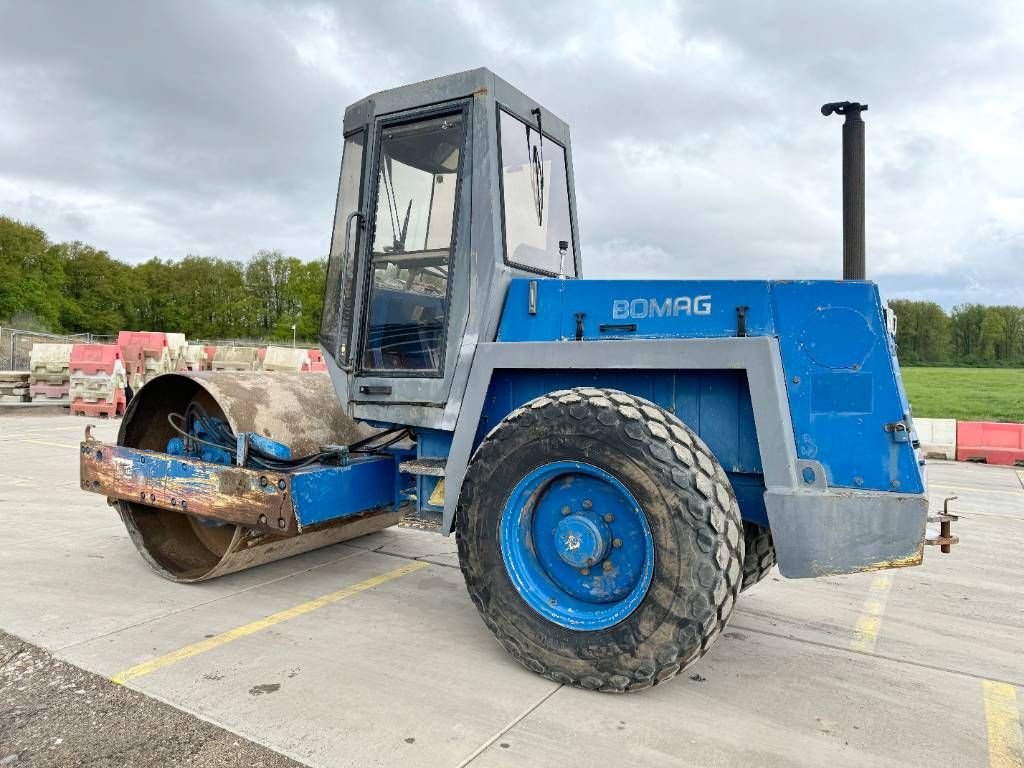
(236, 359)
(176, 345)
(285, 359)
(938, 438)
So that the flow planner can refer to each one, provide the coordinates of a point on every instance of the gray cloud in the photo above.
(158, 129)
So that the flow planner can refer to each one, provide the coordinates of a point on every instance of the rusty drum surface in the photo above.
(299, 410)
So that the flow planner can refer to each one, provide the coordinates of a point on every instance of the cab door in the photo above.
(412, 244)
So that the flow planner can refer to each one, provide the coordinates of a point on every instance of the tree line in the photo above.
(971, 334)
(75, 288)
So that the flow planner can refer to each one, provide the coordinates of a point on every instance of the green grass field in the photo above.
(967, 394)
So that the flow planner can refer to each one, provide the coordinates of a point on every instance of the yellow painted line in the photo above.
(47, 442)
(1005, 744)
(245, 630)
(37, 433)
(865, 635)
(978, 490)
(42, 431)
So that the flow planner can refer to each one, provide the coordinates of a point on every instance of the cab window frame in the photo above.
(345, 293)
(462, 107)
(347, 362)
(501, 198)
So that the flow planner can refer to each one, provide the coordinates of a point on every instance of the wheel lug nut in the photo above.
(609, 517)
(607, 565)
(616, 543)
(587, 503)
(566, 510)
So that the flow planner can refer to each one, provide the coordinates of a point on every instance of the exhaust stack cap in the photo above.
(851, 109)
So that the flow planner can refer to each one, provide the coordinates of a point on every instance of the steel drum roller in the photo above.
(299, 410)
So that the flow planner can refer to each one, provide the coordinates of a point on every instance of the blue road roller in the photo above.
(617, 459)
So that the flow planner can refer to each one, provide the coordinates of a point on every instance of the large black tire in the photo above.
(690, 508)
(759, 554)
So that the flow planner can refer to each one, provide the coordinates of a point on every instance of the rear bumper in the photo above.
(833, 531)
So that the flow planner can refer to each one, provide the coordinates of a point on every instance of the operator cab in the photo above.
(448, 189)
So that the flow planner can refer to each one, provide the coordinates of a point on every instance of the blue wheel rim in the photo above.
(577, 545)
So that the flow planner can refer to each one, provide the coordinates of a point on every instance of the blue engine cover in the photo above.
(842, 377)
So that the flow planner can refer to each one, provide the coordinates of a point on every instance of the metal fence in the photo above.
(16, 345)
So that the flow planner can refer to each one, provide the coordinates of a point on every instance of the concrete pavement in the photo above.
(918, 667)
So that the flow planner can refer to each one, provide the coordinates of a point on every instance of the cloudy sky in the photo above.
(162, 129)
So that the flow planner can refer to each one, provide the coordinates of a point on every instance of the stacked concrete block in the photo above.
(316, 361)
(194, 359)
(286, 359)
(236, 359)
(49, 372)
(176, 346)
(14, 386)
(97, 380)
(145, 355)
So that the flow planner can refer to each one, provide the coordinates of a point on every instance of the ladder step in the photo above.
(432, 467)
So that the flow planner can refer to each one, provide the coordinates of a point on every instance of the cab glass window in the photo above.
(535, 199)
(339, 294)
(413, 236)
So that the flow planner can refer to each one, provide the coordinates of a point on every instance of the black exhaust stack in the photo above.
(853, 186)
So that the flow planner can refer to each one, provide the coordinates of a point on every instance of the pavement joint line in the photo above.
(970, 489)
(509, 726)
(211, 643)
(882, 656)
(83, 536)
(1002, 721)
(413, 558)
(975, 513)
(869, 622)
(187, 608)
(423, 559)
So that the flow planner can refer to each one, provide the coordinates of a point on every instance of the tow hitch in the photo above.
(942, 537)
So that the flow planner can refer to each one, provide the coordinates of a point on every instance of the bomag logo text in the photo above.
(638, 309)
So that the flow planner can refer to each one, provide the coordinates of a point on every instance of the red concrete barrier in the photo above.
(990, 442)
(145, 353)
(96, 387)
(315, 363)
(94, 358)
(44, 391)
(100, 407)
(150, 341)
(134, 358)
